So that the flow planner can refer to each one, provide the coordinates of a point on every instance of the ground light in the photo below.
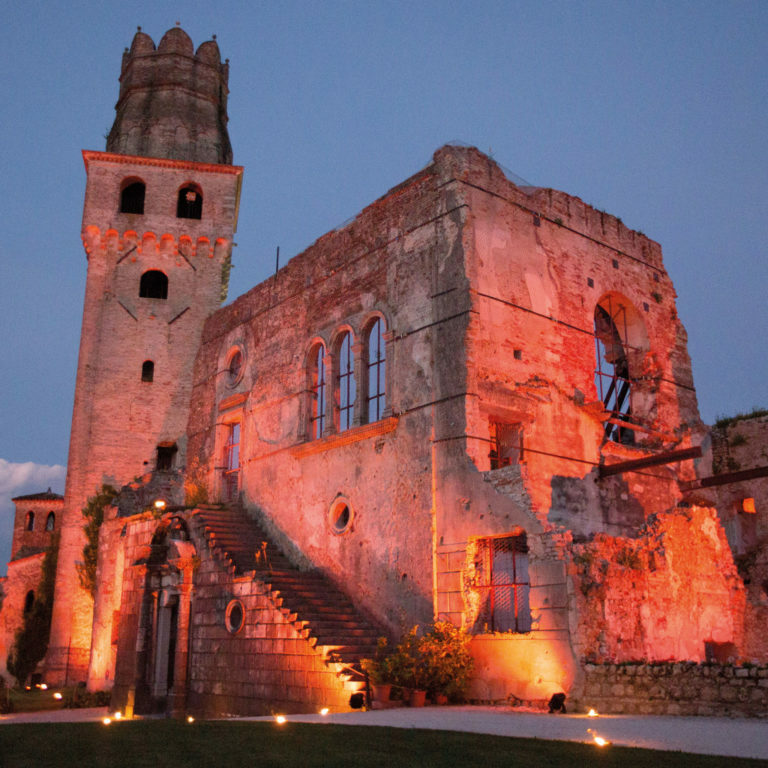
(57, 696)
(592, 713)
(106, 720)
(190, 719)
(599, 740)
(280, 719)
(118, 716)
(324, 711)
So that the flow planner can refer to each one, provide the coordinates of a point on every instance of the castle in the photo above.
(474, 402)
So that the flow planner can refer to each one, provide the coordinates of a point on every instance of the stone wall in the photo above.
(682, 688)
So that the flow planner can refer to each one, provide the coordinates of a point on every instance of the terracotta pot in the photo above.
(441, 699)
(381, 691)
(418, 698)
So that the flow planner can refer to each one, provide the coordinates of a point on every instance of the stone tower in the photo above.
(158, 221)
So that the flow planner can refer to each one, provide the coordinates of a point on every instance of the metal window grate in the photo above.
(502, 579)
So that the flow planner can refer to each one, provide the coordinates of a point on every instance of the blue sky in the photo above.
(653, 111)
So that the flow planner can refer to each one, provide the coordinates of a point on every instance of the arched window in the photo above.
(620, 342)
(376, 370)
(50, 521)
(346, 388)
(29, 601)
(132, 196)
(153, 285)
(317, 392)
(147, 371)
(190, 203)
(29, 522)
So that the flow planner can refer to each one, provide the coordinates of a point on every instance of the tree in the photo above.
(31, 642)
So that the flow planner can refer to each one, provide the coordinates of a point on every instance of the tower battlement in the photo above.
(173, 100)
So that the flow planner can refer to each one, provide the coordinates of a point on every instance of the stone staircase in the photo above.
(318, 609)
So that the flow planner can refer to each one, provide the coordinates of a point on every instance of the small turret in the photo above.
(173, 101)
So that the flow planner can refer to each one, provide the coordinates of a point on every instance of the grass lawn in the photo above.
(168, 743)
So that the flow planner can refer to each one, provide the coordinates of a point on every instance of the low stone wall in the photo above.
(679, 688)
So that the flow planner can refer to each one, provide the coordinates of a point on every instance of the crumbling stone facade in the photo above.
(474, 402)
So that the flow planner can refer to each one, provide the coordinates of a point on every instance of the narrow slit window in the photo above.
(317, 393)
(29, 522)
(347, 388)
(376, 370)
(232, 462)
(50, 521)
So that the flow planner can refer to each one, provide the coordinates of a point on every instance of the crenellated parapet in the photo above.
(173, 100)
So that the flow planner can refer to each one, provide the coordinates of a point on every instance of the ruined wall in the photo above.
(386, 263)
(675, 689)
(659, 596)
(741, 445)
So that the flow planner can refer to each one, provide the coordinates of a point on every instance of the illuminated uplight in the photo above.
(280, 719)
(599, 740)
(57, 696)
(324, 711)
(106, 720)
(592, 713)
(43, 686)
(118, 715)
(190, 719)
(160, 504)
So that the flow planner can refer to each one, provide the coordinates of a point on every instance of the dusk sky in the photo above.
(656, 112)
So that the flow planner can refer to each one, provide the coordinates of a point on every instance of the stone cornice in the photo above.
(345, 438)
(160, 162)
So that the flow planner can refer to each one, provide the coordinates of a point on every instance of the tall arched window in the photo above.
(29, 521)
(153, 285)
(346, 387)
(232, 462)
(190, 202)
(50, 521)
(147, 371)
(376, 370)
(317, 392)
(132, 196)
(620, 343)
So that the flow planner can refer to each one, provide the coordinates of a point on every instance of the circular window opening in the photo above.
(235, 617)
(235, 367)
(340, 516)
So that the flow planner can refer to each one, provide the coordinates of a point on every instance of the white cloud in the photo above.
(19, 479)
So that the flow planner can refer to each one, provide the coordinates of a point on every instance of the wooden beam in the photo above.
(667, 457)
(732, 477)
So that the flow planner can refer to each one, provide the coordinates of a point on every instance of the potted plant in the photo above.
(446, 661)
(378, 673)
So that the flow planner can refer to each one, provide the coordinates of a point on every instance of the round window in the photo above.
(235, 367)
(235, 617)
(340, 516)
